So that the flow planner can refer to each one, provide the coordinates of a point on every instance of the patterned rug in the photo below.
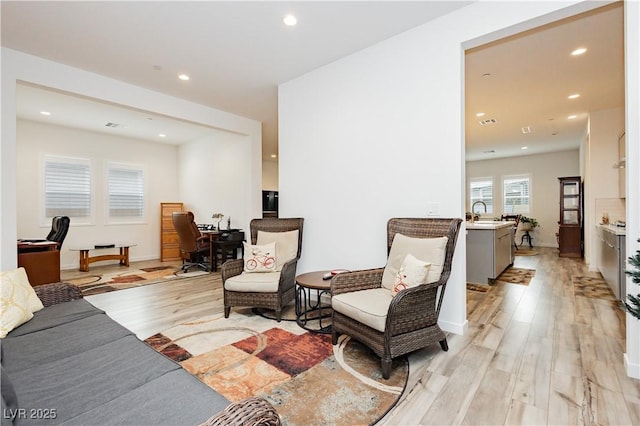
(307, 379)
(594, 287)
(520, 276)
(482, 288)
(91, 284)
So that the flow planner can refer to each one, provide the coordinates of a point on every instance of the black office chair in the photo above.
(194, 247)
(59, 229)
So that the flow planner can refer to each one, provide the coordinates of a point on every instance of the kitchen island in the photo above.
(489, 249)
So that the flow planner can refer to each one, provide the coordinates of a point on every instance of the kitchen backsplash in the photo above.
(614, 207)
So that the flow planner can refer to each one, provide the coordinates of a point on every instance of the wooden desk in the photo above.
(232, 242)
(41, 261)
(85, 259)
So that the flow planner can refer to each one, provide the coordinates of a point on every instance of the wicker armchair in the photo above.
(286, 288)
(54, 293)
(412, 315)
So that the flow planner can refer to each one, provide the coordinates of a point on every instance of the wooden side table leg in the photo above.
(124, 256)
(84, 260)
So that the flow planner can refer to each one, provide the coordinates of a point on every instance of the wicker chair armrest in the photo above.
(356, 280)
(288, 274)
(231, 268)
(54, 293)
(413, 308)
(247, 412)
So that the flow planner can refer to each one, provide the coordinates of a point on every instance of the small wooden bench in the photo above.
(85, 259)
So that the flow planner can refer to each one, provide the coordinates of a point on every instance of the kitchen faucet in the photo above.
(473, 215)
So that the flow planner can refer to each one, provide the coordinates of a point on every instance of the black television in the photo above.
(269, 203)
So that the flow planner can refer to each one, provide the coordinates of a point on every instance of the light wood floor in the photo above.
(533, 354)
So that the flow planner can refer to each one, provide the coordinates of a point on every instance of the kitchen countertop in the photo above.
(617, 230)
(489, 224)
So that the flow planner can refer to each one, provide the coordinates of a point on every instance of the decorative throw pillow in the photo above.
(412, 273)
(431, 250)
(18, 300)
(286, 244)
(260, 258)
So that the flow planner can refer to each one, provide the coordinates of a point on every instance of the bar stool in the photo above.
(526, 236)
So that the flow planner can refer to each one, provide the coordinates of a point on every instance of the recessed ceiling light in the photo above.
(273, 156)
(571, 117)
(290, 20)
(183, 77)
(486, 74)
(45, 113)
(162, 135)
(579, 51)
(524, 147)
(480, 114)
(574, 96)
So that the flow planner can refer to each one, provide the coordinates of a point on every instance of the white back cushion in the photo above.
(286, 244)
(431, 250)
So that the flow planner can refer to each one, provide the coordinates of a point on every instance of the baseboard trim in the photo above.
(455, 328)
(633, 370)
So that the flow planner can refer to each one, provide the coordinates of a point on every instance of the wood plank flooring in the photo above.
(535, 354)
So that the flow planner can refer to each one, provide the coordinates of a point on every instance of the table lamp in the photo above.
(218, 217)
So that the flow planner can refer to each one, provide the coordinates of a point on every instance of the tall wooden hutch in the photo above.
(570, 233)
(169, 241)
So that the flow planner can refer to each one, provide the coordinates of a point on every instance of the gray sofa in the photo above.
(73, 365)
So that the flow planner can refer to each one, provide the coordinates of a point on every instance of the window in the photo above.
(67, 187)
(517, 194)
(125, 192)
(481, 189)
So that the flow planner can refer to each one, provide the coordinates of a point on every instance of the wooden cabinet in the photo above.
(570, 232)
(169, 241)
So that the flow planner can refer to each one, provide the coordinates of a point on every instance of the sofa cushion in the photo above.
(267, 282)
(89, 379)
(430, 250)
(176, 398)
(60, 342)
(260, 258)
(9, 398)
(369, 307)
(56, 315)
(18, 300)
(286, 245)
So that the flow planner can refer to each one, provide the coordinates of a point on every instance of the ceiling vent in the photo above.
(526, 130)
(487, 121)
(113, 125)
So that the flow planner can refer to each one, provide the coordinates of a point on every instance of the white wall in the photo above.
(380, 134)
(160, 162)
(601, 181)
(270, 175)
(214, 174)
(544, 170)
(18, 66)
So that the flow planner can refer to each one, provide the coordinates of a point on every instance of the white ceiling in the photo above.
(238, 52)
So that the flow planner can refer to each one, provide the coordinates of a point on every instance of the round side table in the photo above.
(313, 311)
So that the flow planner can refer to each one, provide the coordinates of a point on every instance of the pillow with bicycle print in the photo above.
(260, 258)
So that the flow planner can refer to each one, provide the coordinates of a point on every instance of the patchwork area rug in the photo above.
(119, 280)
(306, 378)
(520, 276)
(525, 252)
(482, 288)
(595, 287)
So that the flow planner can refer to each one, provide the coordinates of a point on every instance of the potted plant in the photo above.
(528, 223)
(633, 305)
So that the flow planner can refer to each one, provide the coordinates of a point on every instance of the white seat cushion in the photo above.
(369, 307)
(431, 250)
(266, 282)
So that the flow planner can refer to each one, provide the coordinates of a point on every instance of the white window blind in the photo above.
(481, 189)
(125, 188)
(517, 194)
(67, 187)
